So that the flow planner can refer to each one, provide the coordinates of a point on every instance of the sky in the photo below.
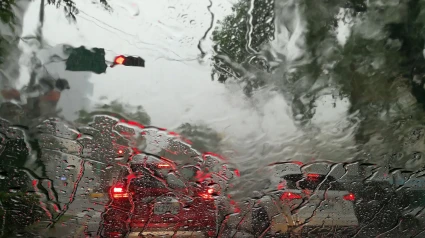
(175, 87)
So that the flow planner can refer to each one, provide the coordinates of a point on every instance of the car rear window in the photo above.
(146, 179)
(300, 181)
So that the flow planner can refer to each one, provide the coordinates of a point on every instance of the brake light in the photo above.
(164, 166)
(209, 194)
(313, 176)
(349, 197)
(290, 196)
(114, 234)
(119, 192)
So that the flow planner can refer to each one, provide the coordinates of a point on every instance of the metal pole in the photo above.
(39, 37)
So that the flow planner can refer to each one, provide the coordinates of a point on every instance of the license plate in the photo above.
(96, 195)
(162, 208)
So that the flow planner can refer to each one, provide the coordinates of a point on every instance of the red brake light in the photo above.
(349, 197)
(119, 192)
(209, 194)
(163, 166)
(313, 176)
(206, 196)
(290, 196)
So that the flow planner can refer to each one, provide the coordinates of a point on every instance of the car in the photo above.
(151, 198)
(386, 208)
(306, 204)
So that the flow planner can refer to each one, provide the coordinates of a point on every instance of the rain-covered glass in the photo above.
(212, 118)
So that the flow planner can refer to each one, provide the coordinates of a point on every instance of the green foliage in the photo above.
(3, 51)
(6, 12)
(203, 138)
(241, 35)
(116, 109)
(6, 16)
(380, 68)
(395, 50)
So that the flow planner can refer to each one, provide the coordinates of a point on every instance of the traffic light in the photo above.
(82, 59)
(128, 61)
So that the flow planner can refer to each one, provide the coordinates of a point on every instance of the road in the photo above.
(82, 215)
(82, 219)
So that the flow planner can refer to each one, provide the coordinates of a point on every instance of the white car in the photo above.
(306, 204)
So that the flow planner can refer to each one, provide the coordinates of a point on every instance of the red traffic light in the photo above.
(119, 60)
(128, 61)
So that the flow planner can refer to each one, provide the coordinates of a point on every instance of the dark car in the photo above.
(378, 207)
(151, 198)
(307, 205)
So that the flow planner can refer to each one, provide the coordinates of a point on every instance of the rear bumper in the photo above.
(159, 233)
(327, 222)
(341, 231)
(171, 234)
(158, 230)
(280, 224)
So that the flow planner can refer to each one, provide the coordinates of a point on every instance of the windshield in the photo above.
(263, 118)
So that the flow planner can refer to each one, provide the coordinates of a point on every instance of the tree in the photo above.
(240, 37)
(6, 12)
(202, 137)
(379, 67)
(115, 109)
(70, 7)
(7, 17)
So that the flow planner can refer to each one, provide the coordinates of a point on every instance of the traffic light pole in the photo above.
(39, 37)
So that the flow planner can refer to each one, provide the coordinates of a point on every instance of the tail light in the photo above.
(209, 194)
(290, 196)
(119, 192)
(349, 197)
(114, 234)
(313, 176)
(164, 166)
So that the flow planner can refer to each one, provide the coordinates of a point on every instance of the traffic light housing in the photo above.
(93, 60)
(128, 61)
(82, 59)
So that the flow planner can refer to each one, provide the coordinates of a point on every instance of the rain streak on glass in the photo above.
(201, 118)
